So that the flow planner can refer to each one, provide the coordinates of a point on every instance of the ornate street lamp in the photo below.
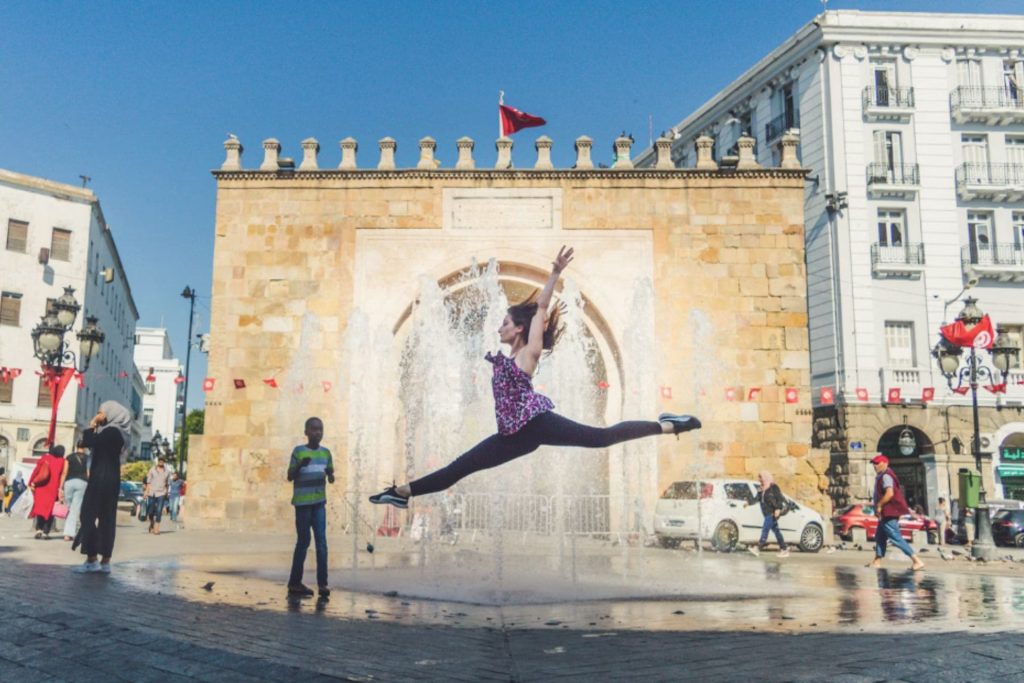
(948, 357)
(58, 361)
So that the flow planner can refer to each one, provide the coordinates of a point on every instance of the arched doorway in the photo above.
(904, 446)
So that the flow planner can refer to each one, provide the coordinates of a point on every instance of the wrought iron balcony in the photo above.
(970, 104)
(1001, 182)
(774, 129)
(888, 103)
(906, 260)
(1003, 261)
(892, 179)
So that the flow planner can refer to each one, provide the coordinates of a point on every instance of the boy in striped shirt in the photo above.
(310, 468)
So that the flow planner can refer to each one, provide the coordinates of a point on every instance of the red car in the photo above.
(862, 515)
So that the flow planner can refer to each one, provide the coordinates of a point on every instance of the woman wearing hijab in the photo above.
(17, 488)
(107, 437)
(45, 485)
(773, 503)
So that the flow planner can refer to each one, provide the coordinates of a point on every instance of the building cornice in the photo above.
(50, 187)
(506, 174)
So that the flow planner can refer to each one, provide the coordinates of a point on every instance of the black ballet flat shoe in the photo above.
(680, 423)
(300, 590)
(389, 496)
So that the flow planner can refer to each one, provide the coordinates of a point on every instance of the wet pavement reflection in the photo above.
(648, 589)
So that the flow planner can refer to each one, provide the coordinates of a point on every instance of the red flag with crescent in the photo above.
(513, 120)
(981, 336)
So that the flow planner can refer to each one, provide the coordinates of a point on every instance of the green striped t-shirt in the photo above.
(311, 481)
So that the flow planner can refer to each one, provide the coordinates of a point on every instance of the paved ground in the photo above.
(411, 612)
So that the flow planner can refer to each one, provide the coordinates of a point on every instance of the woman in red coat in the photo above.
(45, 485)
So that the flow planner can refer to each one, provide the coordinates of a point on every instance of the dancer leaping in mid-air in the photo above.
(526, 419)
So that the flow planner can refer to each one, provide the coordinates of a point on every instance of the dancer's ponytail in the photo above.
(523, 313)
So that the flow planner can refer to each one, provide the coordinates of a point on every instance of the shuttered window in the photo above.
(43, 400)
(60, 245)
(899, 343)
(10, 309)
(7, 390)
(17, 236)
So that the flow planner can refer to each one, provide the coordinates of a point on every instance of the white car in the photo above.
(728, 515)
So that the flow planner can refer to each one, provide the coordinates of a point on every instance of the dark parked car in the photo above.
(1008, 528)
(130, 496)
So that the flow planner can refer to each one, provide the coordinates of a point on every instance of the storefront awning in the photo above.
(1005, 471)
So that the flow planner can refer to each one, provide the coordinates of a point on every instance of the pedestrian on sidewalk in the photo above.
(3, 487)
(158, 485)
(107, 436)
(310, 467)
(773, 506)
(890, 505)
(74, 479)
(942, 519)
(18, 487)
(174, 496)
(45, 485)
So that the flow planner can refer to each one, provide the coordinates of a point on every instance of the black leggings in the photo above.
(546, 429)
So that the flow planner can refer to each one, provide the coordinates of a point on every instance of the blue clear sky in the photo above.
(140, 96)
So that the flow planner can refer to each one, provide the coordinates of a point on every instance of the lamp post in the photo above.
(190, 294)
(948, 356)
(59, 362)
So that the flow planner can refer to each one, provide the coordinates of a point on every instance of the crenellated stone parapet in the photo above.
(427, 162)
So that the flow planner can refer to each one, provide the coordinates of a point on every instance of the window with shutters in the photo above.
(17, 236)
(891, 227)
(1018, 230)
(60, 245)
(7, 390)
(899, 344)
(979, 236)
(968, 72)
(43, 396)
(1013, 79)
(10, 308)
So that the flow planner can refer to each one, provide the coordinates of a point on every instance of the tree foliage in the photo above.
(135, 471)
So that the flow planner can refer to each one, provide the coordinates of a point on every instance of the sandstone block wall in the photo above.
(728, 257)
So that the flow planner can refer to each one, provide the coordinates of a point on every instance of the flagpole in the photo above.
(501, 101)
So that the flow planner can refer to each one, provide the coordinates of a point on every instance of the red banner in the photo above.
(239, 384)
(271, 382)
(927, 394)
(730, 394)
(208, 384)
(754, 393)
(327, 386)
(792, 395)
(894, 394)
(862, 394)
(666, 392)
(828, 396)
(56, 382)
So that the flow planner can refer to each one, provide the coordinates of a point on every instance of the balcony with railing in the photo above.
(774, 129)
(897, 261)
(892, 180)
(999, 182)
(993, 105)
(890, 104)
(909, 380)
(1003, 261)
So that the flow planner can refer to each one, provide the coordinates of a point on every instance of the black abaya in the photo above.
(99, 506)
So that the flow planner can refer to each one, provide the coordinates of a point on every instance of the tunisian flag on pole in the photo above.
(981, 336)
(513, 120)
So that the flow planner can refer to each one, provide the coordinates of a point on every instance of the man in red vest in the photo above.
(890, 505)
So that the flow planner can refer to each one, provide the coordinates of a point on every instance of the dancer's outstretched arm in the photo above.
(529, 356)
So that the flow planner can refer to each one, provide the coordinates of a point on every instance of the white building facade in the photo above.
(162, 374)
(53, 236)
(912, 128)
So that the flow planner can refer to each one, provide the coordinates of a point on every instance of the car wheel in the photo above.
(666, 542)
(725, 537)
(1018, 540)
(811, 538)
